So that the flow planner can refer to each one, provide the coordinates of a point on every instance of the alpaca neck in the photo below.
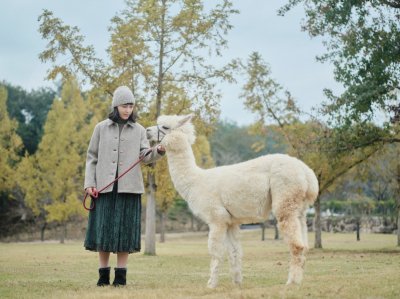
(183, 169)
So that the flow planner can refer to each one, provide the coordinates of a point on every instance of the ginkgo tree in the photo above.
(52, 177)
(10, 145)
(153, 43)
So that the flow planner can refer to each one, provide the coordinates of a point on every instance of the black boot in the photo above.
(104, 277)
(120, 277)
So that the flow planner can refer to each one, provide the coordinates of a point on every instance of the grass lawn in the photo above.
(345, 268)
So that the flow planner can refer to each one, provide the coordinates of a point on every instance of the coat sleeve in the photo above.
(144, 148)
(91, 159)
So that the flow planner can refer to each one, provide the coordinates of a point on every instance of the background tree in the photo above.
(30, 110)
(362, 42)
(231, 143)
(10, 144)
(29, 183)
(374, 180)
(310, 141)
(384, 183)
(361, 38)
(377, 177)
(153, 44)
(10, 150)
(165, 194)
(52, 178)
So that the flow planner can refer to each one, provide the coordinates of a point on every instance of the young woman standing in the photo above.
(114, 223)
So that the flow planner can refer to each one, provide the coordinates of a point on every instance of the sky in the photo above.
(289, 52)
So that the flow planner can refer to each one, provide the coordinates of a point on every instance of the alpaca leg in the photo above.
(292, 230)
(304, 230)
(216, 240)
(235, 253)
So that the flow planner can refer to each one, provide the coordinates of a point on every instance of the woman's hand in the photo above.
(92, 191)
(161, 149)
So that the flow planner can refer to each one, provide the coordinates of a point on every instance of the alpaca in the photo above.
(227, 196)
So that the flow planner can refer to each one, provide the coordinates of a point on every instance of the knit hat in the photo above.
(122, 95)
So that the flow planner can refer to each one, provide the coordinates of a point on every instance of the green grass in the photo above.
(343, 269)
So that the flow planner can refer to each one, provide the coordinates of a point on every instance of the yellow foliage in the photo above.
(52, 178)
(165, 192)
(10, 144)
(202, 152)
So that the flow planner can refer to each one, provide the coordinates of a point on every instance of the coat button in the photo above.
(113, 161)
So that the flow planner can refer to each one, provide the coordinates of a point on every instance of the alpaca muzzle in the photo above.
(155, 134)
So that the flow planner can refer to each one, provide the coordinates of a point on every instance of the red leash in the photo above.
(96, 193)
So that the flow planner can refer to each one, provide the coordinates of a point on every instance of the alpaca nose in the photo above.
(148, 133)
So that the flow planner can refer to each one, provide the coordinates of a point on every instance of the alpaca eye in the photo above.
(165, 128)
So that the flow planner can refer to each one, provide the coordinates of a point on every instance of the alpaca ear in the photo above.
(186, 119)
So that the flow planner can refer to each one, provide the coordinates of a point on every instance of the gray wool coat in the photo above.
(108, 150)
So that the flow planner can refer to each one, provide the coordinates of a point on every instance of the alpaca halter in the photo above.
(159, 130)
(158, 133)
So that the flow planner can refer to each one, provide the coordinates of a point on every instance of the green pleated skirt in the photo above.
(114, 225)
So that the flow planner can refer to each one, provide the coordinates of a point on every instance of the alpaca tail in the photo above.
(313, 186)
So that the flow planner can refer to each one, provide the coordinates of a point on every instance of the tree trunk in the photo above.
(262, 224)
(150, 237)
(276, 229)
(317, 224)
(63, 232)
(398, 195)
(163, 217)
(358, 229)
(398, 226)
(42, 230)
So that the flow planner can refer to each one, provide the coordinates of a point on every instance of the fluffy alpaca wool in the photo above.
(122, 95)
(227, 196)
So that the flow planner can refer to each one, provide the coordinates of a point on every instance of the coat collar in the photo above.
(111, 123)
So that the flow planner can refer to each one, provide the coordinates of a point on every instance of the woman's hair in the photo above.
(114, 115)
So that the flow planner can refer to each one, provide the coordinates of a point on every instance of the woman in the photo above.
(114, 223)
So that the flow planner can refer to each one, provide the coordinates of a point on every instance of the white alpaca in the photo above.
(227, 196)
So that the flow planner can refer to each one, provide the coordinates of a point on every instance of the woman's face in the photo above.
(125, 110)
